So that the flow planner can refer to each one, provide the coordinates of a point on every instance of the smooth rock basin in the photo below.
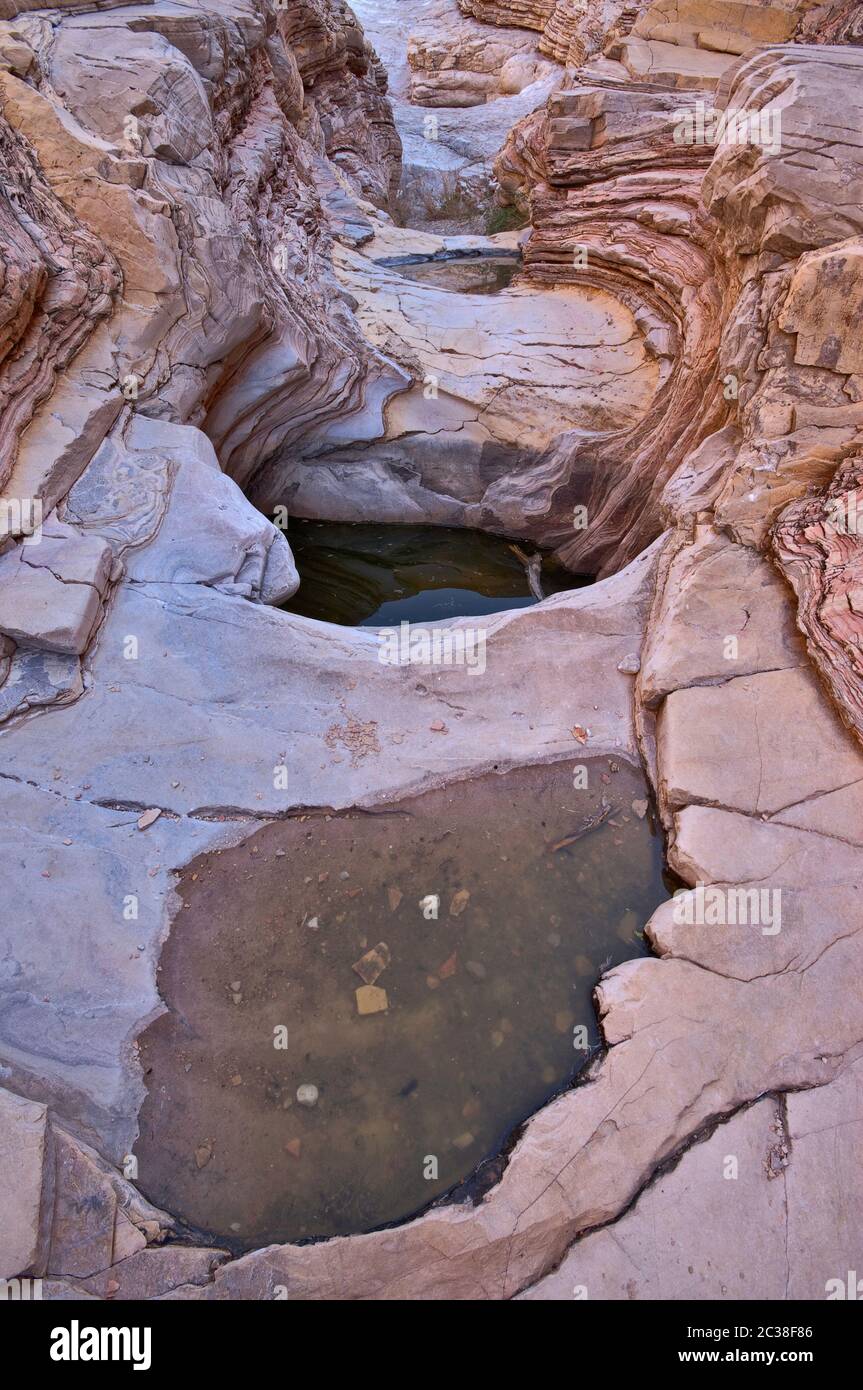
(369, 576)
(481, 1003)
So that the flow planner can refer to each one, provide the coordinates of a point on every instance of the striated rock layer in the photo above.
(177, 319)
(714, 256)
(173, 181)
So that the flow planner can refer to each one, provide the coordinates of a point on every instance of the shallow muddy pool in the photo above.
(482, 1011)
(468, 275)
(371, 576)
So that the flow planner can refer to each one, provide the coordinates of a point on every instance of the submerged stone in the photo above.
(482, 995)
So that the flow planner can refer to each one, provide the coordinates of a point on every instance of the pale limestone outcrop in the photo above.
(51, 595)
(495, 381)
(437, 56)
(478, 83)
(152, 152)
(678, 43)
(743, 279)
(447, 183)
(785, 1168)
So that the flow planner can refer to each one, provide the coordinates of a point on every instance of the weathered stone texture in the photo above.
(192, 306)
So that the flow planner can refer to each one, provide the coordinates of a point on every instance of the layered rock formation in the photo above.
(455, 62)
(168, 259)
(193, 222)
(681, 43)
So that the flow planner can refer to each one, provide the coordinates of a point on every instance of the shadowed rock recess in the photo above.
(206, 210)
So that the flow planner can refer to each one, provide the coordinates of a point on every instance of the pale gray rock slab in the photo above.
(725, 613)
(77, 975)
(531, 362)
(825, 1189)
(84, 1214)
(238, 551)
(838, 813)
(75, 557)
(22, 1152)
(780, 896)
(690, 1234)
(132, 72)
(51, 592)
(187, 694)
(763, 742)
(671, 64)
(39, 609)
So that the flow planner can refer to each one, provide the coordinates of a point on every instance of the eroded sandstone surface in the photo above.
(200, 305)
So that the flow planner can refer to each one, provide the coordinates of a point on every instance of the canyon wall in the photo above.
(171, 179)
(195, 303)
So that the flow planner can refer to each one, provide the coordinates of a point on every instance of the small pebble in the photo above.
(371, 999)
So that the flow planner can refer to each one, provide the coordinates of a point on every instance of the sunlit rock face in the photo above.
(681, 225)
(199, 306)
(530, 14)
(179, 177)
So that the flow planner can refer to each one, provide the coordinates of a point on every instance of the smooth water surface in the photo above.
(372, 576)
(481, 1003)
(469, 275)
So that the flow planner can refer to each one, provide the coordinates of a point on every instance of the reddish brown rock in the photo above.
(175, 273)
(818, 543)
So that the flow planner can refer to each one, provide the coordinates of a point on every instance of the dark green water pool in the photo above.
(372, 576)
(468, 275)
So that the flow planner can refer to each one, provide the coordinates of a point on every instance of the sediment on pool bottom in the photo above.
(362, 1006)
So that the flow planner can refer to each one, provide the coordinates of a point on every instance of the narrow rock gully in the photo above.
(430, 627)
(429, 963)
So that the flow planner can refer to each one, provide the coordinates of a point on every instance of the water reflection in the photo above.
(372, 576)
